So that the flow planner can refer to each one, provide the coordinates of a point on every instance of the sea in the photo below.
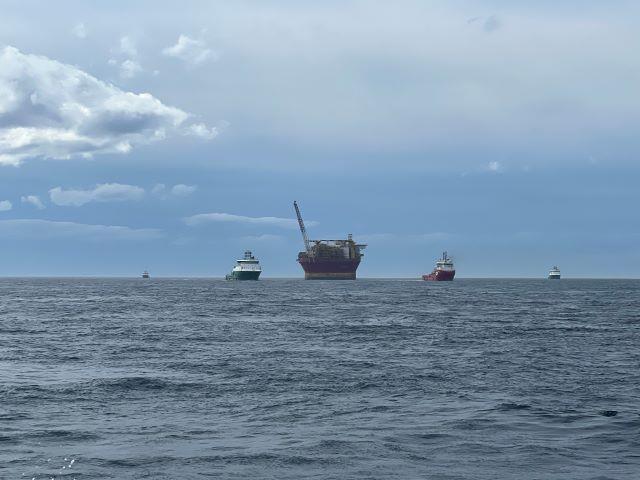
(290, 379)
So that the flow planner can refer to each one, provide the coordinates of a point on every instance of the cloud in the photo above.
(182, 190)
(521, 80)
(129, 69)
(45, 229)
(202, 131)
(179, 190)
(79, 30)
(494, 166)
(5, 205)
(202, 218)
(33, 200)
(106, 192)
(56, 111)
(191, 51)
(492, 24)
(128, 46)
(158, 189)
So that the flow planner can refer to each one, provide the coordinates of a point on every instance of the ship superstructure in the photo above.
(554, 273)
(145, 274)
(247, 268)
(444, 270)
(328, 259)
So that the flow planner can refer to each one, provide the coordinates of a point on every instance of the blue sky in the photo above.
(504, 132)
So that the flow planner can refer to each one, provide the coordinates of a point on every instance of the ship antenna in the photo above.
(303, 230)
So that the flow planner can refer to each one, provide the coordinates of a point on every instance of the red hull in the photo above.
(325, 269)
(440, 276)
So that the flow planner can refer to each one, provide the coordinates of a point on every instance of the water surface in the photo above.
(287, 379)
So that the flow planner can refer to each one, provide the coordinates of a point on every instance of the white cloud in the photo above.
(33, 200)
(201, 218)
(189, 50)
(106, 192)
(202, 131)
(494, 166)
(44, 229)
(128, 46)
(129, 69)
(52, 110)
(5, 205)
(79, 30)
(182, 190)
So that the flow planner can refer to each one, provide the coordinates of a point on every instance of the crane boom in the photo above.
(303, 230)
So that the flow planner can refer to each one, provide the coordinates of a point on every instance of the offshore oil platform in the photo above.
(328, 259)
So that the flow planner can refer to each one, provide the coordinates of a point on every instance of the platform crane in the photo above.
(305, 238)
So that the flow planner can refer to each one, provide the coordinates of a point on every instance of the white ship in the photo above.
(247, 268)
(554, 273)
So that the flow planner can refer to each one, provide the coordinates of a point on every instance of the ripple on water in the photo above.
(477, 379)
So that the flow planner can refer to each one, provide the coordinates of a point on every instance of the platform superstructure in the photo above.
(328, 259)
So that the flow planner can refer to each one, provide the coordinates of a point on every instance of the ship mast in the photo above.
(303, 230)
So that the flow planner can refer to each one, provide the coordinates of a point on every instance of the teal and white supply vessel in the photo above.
(247, 268)
(554, 273)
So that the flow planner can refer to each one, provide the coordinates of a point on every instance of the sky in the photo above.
(172, 137)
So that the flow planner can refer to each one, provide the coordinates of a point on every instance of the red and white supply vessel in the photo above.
(443, 272)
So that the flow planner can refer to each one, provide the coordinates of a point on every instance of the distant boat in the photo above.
(554, 273)
(145, 274)
(444, 271)
(247, 268)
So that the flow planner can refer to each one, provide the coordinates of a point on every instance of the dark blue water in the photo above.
(182, 379)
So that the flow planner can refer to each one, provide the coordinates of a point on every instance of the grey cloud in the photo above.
(417, 82)
(52, 110)
(492, 24)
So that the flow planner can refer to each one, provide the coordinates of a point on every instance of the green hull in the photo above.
(243, 276)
